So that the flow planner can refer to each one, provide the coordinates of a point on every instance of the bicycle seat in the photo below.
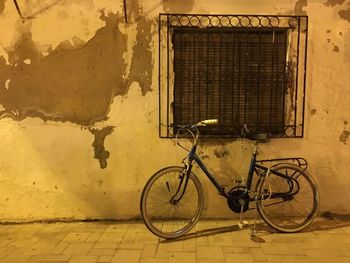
(259, 137)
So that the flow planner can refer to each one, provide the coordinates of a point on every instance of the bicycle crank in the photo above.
(237, 195)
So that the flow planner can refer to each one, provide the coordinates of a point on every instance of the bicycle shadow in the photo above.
(221, 230)
(262, 230)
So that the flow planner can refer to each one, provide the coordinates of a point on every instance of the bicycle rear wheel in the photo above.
(288, 205)
(163, 217)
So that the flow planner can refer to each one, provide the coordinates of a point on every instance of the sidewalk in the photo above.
(215, 241)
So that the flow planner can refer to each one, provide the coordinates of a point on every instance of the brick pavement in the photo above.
(215, 241)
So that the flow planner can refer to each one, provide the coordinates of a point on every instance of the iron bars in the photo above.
(240, 69)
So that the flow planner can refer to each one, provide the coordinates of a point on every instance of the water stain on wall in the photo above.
(344, 136)
(101, 153)
(298, 8)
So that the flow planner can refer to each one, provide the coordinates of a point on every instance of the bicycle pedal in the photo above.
(242, 224)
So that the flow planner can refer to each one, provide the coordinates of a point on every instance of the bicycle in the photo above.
(173, 198)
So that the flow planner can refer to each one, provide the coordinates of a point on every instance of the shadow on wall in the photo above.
(177, 6)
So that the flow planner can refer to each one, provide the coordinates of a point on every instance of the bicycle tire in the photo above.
(272, 213)
(173, 223)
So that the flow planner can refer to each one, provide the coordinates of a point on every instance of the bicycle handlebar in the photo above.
(194, 127)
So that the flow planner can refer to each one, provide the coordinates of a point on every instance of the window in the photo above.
(246, 73)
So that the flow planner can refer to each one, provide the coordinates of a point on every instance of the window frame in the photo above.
(297, 34)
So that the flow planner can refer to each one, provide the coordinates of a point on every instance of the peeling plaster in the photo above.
(344, 136)
(2, 6)
(142, 59)
(176, 6)
(76, 81)
(299, 6)
(70, 84)
(101, 153)
(345, 14)
(334, 2)
(221, 154)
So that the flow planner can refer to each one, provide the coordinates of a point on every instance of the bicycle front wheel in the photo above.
(288, 205)
(164, 217)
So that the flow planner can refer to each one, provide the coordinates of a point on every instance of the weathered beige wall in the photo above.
(76, 82)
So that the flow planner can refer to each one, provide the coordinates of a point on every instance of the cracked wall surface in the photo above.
(79, 106)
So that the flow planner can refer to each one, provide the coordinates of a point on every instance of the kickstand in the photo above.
(242, 223)
(254, 232)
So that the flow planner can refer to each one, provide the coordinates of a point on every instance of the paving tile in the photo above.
(149, 251)
(220, 240)
(154, 260)
(190, 245)
(94, 237)
(176, 257)
(83, 258)
(59, 248)
(274, 259)
(216, 241)
(118, 228)
(210, 253)
(76, 237)
(257, 254)
(201, 260)
(246, 258)
(127, 256)
(275, 249)
(36, 258)
(56, 258)
(111, 237)
(104, 259)
(112, 245)
(78, 248)
(102, 251)
(295, 259)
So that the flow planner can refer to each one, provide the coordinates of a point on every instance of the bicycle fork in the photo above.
(184, 177)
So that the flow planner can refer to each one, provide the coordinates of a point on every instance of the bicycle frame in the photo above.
(253, 167)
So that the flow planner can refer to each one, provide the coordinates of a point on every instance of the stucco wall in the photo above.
(79, 106)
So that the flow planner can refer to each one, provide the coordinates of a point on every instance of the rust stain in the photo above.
(345, 14)
(344, 136)
(299, 6)
(334, 2)
(101, 153)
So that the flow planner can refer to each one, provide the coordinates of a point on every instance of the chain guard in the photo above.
(233, 203)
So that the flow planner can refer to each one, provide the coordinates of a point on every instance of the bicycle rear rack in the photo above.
(301, 162)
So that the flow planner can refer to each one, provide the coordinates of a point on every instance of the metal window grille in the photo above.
(238, 69)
